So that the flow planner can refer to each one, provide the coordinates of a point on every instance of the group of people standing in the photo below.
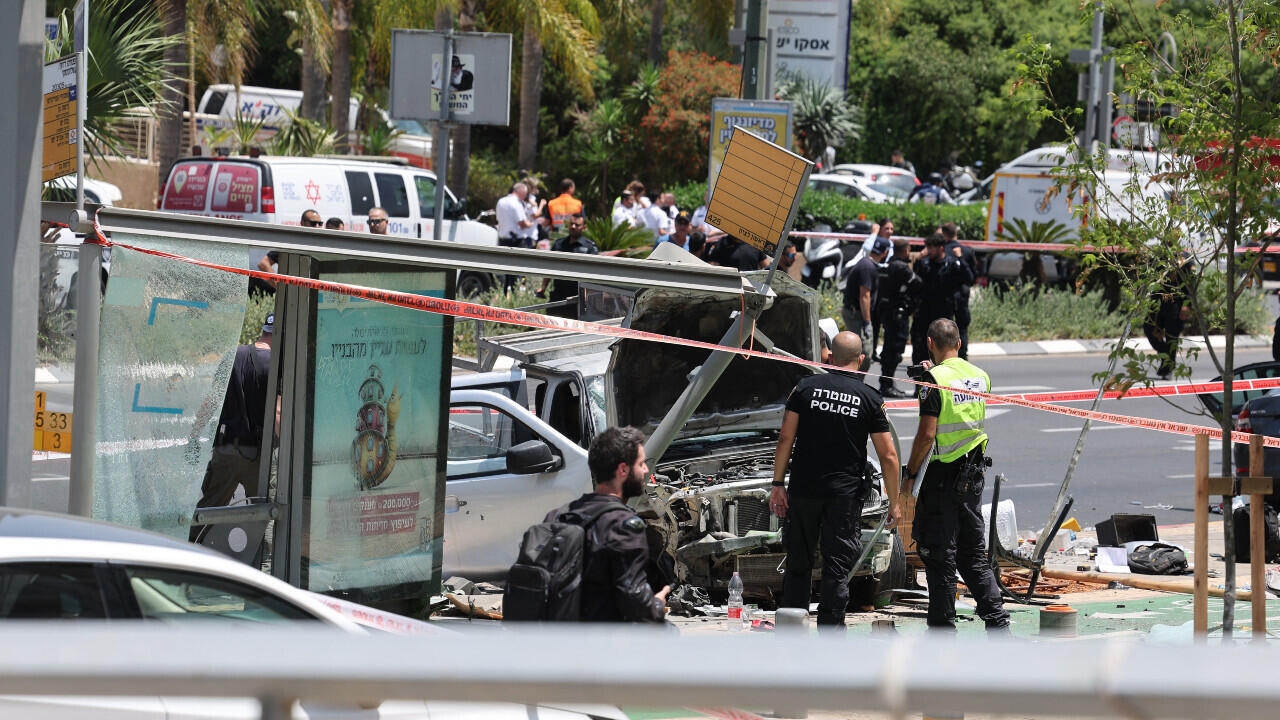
(559, 224)
(893, 297)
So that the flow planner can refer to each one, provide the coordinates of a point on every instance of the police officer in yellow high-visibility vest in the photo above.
(948, 527)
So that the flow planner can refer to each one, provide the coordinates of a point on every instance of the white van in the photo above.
(260, 103)
(279, 189)
(221, 103)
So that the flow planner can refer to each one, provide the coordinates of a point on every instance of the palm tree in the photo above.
(566, 30)
(169, 109)
(340, 77)
(214, 40)
(823, 115)
(657, 19)
(126, 69)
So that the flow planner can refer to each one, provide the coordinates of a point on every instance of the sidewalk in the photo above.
(1147, 615)
(1064, 347)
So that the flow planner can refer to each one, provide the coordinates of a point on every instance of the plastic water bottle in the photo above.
(733, 622)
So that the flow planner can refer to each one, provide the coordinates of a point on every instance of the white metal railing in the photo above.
(635, 666)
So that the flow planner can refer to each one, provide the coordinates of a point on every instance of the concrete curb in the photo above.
(1065, 347)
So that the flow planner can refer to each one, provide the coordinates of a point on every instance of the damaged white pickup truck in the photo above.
(518, 438)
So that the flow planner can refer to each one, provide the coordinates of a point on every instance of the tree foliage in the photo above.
(1214, 188)
(676, 131)
(126, 68)
(822, 116)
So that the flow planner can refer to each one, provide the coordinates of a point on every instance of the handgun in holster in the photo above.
(969, 480)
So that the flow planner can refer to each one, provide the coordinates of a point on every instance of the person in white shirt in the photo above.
(657, 217)
(626, 212)
(515, 227)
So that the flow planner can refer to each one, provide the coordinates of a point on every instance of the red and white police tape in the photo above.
(463, 309)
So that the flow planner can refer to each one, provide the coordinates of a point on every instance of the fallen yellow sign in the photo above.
(757, 191)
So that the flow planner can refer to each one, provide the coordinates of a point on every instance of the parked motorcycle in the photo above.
(827, 259)
(961, 178)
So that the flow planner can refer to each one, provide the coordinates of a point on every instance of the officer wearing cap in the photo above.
(616, 556)
(237, 442)
(828, 420)
(861, 286)
(948, 527)
(942, 274)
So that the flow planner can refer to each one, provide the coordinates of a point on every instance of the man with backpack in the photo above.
(931, 192)
(596, 539)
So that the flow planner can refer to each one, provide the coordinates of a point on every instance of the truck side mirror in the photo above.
(532, 456)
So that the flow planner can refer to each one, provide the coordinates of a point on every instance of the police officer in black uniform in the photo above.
(824, 434)
(237, 443)
(899, 292)
(574, 242)
(968, 258)
(941, 274)
(616, 556)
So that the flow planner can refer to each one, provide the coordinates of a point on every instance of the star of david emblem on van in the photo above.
(313, 192)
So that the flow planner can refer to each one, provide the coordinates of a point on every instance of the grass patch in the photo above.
(464, 331)
(1025, 312)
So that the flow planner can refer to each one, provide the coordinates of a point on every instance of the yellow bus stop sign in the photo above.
(758, 191)
(52, 429)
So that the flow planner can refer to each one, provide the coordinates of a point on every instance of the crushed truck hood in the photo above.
(646, 378)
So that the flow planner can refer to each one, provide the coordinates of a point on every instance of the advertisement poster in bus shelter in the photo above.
(376, 477)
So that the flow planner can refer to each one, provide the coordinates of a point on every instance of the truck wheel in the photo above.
(865, 590)
(896, 575)
(473, 284)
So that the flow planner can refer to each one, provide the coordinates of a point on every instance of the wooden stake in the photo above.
(1144, 582)
(1257, 544)
(1200, 603)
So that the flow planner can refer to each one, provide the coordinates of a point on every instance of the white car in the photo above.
(67, 244)
(855, 187)
(904, 180)
(59, 567)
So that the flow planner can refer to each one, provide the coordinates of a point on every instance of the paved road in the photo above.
(1122, 469)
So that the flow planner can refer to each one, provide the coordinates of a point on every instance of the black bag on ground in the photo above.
(1158, 558)
(545, 582)
(1271, 532)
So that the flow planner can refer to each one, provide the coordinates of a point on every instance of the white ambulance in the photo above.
(279, 189)
(222, 103)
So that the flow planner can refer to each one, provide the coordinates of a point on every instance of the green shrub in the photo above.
(835, 211)
(464, 330)
(1027, 312)
(608, 236)
(256, 310)
(487, 181)
(1252, 315)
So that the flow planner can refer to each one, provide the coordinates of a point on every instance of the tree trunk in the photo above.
(340, 73)
(460, 155)
(169, 121)
(530, 95)
(313, 86)
(659, 10)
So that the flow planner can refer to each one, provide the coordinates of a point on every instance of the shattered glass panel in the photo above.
(167, 328)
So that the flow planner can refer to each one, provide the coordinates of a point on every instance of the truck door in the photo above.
(394, 198)
(490, 499)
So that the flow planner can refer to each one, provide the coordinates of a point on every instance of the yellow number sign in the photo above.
(52, 429)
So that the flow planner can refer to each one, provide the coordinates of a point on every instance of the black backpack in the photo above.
(1158, 559)
(545, 583)
(1271, 533)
